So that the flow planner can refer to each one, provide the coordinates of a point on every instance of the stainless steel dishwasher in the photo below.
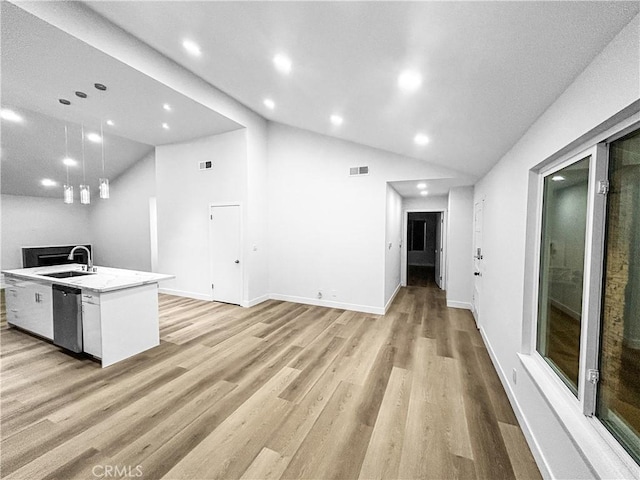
(67, 317)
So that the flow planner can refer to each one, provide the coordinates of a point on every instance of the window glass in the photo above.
(619, 389)
(564, 221)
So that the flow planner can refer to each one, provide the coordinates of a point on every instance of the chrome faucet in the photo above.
(90, 267)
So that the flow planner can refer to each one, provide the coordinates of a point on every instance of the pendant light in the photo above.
(85, 193)
(104, 181)
(68, 188)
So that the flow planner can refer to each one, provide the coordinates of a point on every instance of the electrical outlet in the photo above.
(334, 294)
(319, 295)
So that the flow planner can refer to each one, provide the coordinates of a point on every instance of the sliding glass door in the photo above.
(588, 298)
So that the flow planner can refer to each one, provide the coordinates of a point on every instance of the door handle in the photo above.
(237, 261)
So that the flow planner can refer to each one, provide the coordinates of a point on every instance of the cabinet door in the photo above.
(17, 302)
(42, 310)
(30, 306)
(91, 336)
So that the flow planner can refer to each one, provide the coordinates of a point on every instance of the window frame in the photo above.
(544, 173)
(603, 451)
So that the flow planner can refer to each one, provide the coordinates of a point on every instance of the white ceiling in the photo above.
(41, 64)
(490, 68)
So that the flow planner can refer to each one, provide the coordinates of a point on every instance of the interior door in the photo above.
(477, 258)
(226, 270)
(438, 257)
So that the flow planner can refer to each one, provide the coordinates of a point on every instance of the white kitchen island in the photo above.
(119, 307)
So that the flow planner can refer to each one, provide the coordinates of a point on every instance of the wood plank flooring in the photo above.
(278, 391)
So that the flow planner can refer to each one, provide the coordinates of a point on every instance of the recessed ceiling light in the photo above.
(10, 115)
(165, 126)
(336, 120)
(167, 107)
(421, 139)
(424, 193)
(110, 123)
(47, 182)
(409, 80)
(192, 47)
(100, 87)
(282, 63)
(558, 178)
(94, 137)
(69, 162)
(270, 104)
(422, 186)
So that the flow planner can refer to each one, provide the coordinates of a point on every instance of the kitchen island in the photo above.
(119, 308)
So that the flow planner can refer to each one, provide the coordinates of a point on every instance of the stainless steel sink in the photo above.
(68, 274)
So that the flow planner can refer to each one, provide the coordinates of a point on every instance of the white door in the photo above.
(438, 257)
(477, 259)
(226, 270)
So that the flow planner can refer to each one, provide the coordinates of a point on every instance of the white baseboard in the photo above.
(182, 293)
(454, 304)
(386, 307)
(539, 457)
(285, 298)
(255, 301)
(327, 303)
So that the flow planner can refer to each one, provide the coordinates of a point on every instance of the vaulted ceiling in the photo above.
(489, 69)
(40, 65)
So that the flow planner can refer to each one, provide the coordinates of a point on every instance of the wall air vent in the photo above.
(357, 171)
(208, 165)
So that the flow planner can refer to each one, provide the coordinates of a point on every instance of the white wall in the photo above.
(38, 221)
(460, 248)
(608, 85)
(326, 229)
(438, 203)
(183, 196)
(120, 226)
(393, 244)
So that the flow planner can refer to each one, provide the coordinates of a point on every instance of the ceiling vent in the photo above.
(357, 171)
(208, 165)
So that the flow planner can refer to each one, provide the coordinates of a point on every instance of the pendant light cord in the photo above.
(84, 178)
(102, 143)
(66, 151)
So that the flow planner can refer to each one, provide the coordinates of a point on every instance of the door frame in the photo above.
(404, 253)
(227, 204)
(478, 265)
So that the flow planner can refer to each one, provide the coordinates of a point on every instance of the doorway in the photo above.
(225, 244)
(425, 249)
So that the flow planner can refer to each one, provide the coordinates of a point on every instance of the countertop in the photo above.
(105, 279)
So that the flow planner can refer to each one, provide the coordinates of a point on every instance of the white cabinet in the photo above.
(91, 335)
(29, 306)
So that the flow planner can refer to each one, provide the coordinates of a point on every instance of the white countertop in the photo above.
(105, 279)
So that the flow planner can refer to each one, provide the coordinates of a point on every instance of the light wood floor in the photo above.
(280, 390)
